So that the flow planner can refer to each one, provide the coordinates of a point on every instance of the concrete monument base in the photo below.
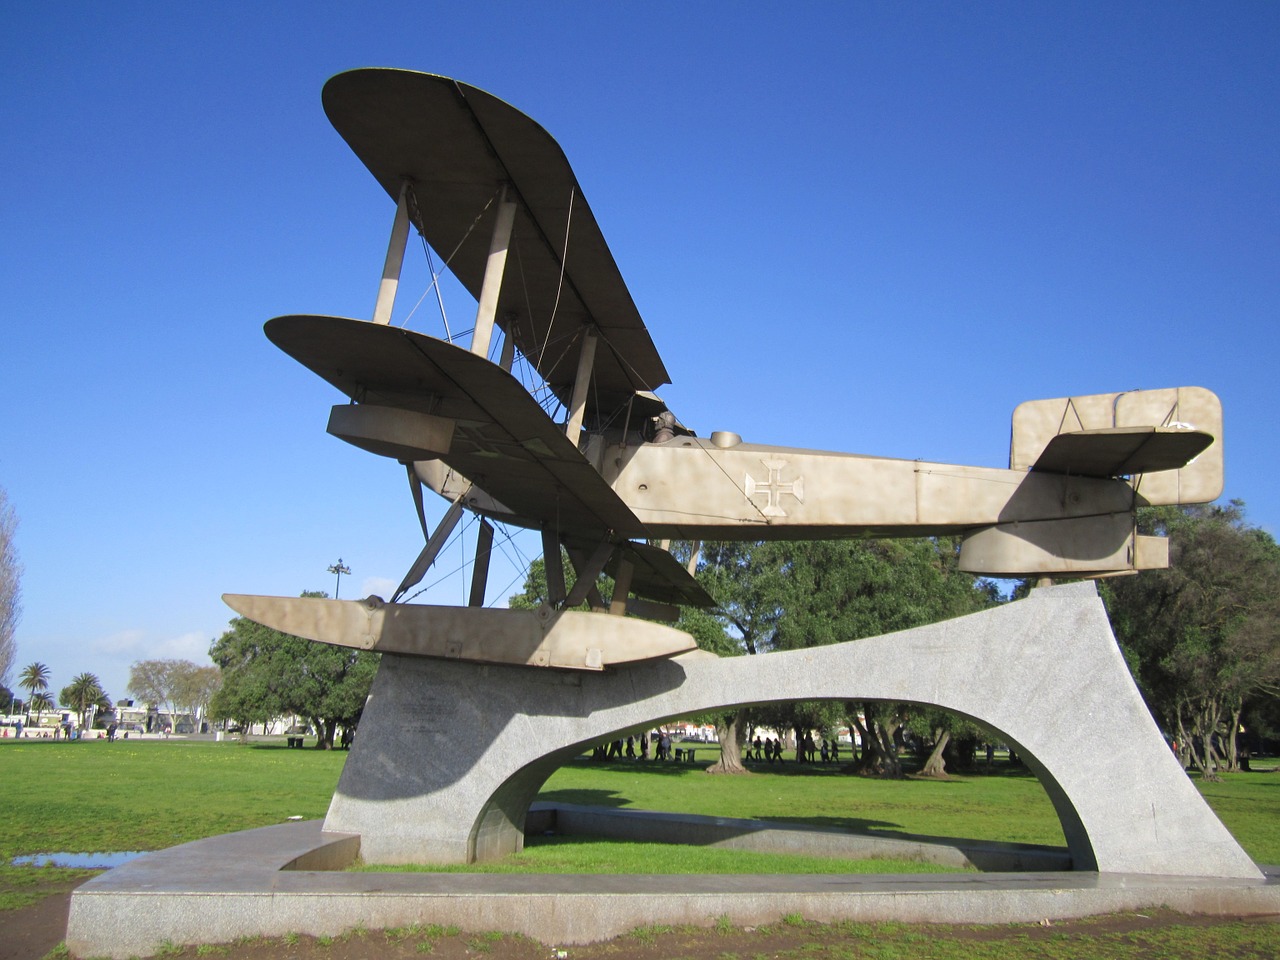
(285, 879)
(451, 754)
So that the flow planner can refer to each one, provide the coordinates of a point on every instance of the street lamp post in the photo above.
(338, 569)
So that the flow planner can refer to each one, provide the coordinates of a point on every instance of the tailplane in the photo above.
(1167, 443)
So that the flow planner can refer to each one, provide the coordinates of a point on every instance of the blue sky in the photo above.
(865, 227)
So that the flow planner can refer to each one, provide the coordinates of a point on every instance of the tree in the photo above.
(156, 682)
(834, 591)
(267, 674)
(40, 702)
(941, 733)
(35, 679)
(1203, 636)
(194, 690)
(82, 695)
(174, 687)
(745, 580)
(10, 586)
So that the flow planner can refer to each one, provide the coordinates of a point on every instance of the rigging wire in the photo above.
(521, 562)
(435, 276)
(457, 535)
(435, 286)
(564, 256)
(416, 216)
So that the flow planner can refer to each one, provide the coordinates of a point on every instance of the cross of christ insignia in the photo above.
(774, 488)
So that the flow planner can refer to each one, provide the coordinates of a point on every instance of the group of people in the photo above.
(636, 748)
(758, 749)
(807, 750)
(65, 730)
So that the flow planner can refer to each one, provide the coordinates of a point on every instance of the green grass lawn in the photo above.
(93, 795)
(1006, 805)
(573, 854)
(145, 795)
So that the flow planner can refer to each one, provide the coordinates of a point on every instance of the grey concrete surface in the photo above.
(451, 754)
(764, 836)
(222, 888)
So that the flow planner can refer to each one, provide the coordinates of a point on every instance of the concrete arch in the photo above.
(500, 828)
(451, 754)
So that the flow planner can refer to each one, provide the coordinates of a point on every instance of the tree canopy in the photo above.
(82, 695)
(34, 678)
(175, 687)
(268, 674)
(1203, 636)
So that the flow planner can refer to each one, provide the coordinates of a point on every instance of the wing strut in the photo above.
(480, 572)
(578, 404)
(415, 487)
(434, 545)
(591, 592)
(622, 586)
(395, 258)
(487, 309)
(588, 572)
(553, 564)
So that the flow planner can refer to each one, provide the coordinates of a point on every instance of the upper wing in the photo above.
(457, 146)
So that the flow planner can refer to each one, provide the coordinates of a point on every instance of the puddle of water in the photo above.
(79, 861)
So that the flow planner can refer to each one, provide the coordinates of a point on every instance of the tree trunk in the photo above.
(858, 760)
(1183, 746)
(936, 765)
(324, 733)
(1207, 723)
(730, 746)
(1233, 750)
(1208, 770)
(890, 731)
(879, 745)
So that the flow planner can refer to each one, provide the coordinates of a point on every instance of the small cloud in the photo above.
(378, 587)
(129, 646)
(187, 646)
(123, 642)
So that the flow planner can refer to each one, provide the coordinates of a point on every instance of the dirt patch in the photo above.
(32, 932)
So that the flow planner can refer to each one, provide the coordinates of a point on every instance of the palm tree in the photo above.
(42, 702)
(84, 691)
(35, 677)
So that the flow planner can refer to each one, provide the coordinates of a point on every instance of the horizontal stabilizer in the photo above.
(1122, 451)
(573, 640)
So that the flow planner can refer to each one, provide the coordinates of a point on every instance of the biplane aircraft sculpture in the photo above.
(491, 192)
(460, 732)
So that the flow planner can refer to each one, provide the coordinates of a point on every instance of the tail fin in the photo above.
(1124, 433)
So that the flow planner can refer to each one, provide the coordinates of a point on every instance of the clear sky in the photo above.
(865, 227)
